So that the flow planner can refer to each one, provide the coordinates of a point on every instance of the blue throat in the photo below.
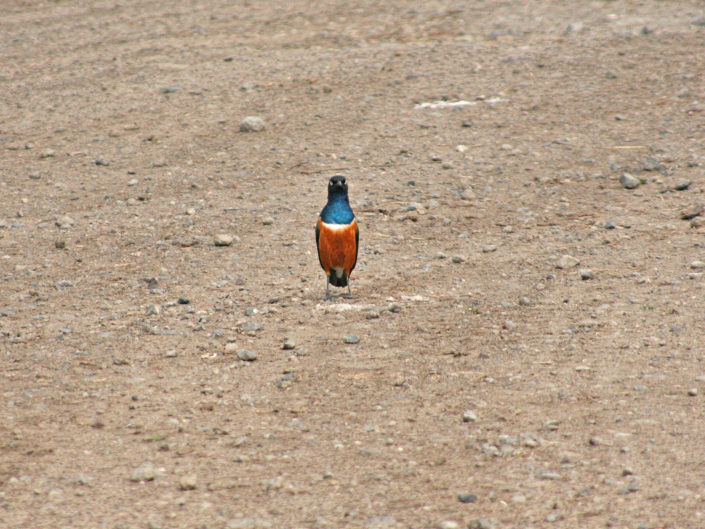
(337, 211)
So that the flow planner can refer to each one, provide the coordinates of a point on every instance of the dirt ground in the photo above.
(524, 346)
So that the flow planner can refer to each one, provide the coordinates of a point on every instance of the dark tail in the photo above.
(338, 281)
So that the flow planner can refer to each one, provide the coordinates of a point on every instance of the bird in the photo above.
(337, 236)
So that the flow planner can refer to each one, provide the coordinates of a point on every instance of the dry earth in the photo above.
(544, 396)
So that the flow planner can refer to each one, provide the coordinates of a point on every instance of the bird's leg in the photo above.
(349, 291)
(327, 288)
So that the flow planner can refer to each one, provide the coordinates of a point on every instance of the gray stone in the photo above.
(144, 472)
(288, 345)
(697, 265)
(467, 497)
(223, 239)
(567, 261)
(188, 482)
(64, 221)
(480, 523)
(153, 310)
(682, 185)
(252, 124)
(246, 355)
(585, 274)
(469, 416)
(628, 181)
(693, 392)
(457, 259)
(252, 326)
(352, 338)
(488, 248)
(268, 221)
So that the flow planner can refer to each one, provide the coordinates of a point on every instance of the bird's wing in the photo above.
(318, 249)
(357, 245)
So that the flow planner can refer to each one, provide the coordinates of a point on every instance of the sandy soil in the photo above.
(478, 377)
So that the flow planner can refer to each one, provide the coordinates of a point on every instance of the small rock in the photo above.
(252, 124)
(596, 441)
(171, 353)
(469, 416)
(467, 497)
(693, 392)
(170, 89)
(693, 211)
(554, 516)
(628, 181)
(449, 524)
(183, 301)
(567, 261)
(230, 348)
(457, 259)
(133, 182)
(695, 265)
(289, 345)
(468, 194)
(246, 355)
(188, 482)
(548, 474)
(585, 274)
(480, 523)
(64, 221)
(351, 338)
(144, 472)
(611, 224)
(153, 310)
(268, 221)
(524, 301)
(223, 239)
(47, 153)
(682, 185)
(101, 163)
(252, 326)
(60, 245)
(65, 283)
(488, 248)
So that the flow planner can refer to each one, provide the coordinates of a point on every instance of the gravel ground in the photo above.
(524, 343)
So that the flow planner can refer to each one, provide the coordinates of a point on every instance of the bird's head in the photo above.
(337, 186)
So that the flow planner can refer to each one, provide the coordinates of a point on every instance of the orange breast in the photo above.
(337, 246)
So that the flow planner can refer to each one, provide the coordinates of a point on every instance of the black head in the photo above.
(337, 185)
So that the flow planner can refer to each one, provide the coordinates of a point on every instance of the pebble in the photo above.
(170, 89)
(449, 524)
(171, 353)
(682, 185)
(457, 259)
(693, 392)
(585, 274)
(288, 345)
(628, 181)
(268, 221)
(246, 355)
(596, 441)
(223, 239)
(488, 248)
(611, 224)
(188, 482)
(252, 124)
(567, 261)
(697, 265)
(64, 221)
(693, 211)
(554, 516)
(467, 497)
(524, 301)
(133, 182)
(480, 523)
(144, 472)
(468, 194)
(153, 310)
(230, 348)
(548, 474)
(252, 326)
(469, 416)
(351, 338)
